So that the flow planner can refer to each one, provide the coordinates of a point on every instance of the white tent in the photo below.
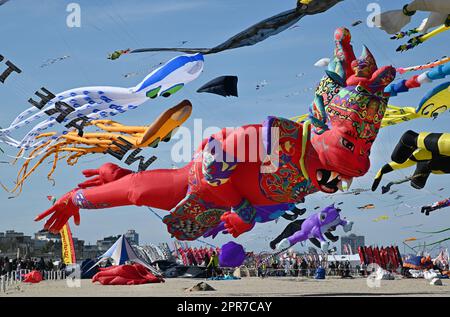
(121, 252)
(352, 258)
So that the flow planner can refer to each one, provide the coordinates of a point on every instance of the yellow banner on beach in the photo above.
(68, 251)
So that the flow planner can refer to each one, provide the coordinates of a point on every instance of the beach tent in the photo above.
(88, 269)
(122, 252)
(352, 258)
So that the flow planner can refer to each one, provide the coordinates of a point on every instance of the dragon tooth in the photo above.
(348, 182)
(333, 176)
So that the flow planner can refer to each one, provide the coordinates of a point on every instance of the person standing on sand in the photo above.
(213, 265)
(41, 265)
(295, 267)
(206, 259)
(50, 265)
(61, 265)
(389, 267)
(8, 265)
(303, 266)
(263, 270)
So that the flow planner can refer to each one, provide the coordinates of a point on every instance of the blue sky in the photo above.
(33, 31)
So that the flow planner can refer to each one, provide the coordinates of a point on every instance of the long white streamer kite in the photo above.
(101, 102)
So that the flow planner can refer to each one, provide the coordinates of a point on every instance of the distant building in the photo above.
(106, 243)
(44, 235)
(14, 243)
(78, 246)
(353, 241)
(48, 245)
(11, 234)
(103, 245)
(39, 246)
(132, 237)
(90, 251)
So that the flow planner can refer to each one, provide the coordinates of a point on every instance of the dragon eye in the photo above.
(347, 144)
(322, 217)
(171, 90)
(153, 93)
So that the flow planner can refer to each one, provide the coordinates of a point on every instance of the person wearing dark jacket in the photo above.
(50, 265)
(303, 267)
(8, 265)
(206, 259)
(61, 265)
(41, 265)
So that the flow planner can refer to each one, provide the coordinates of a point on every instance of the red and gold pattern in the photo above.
(286, 184)
(192, 218)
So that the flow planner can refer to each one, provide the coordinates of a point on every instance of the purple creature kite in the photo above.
(315, 226)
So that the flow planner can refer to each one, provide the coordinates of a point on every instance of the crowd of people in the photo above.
(290, 265)
(209, 260)
(8, 265)
(304, 268)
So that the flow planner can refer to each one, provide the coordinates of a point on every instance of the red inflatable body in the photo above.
(126, 275)
(32, 277)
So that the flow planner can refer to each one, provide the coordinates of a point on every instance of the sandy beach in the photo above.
(252, 286)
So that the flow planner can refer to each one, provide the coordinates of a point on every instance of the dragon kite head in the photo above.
(346, 115)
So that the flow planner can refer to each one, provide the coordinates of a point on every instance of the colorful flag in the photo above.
(68, 250)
